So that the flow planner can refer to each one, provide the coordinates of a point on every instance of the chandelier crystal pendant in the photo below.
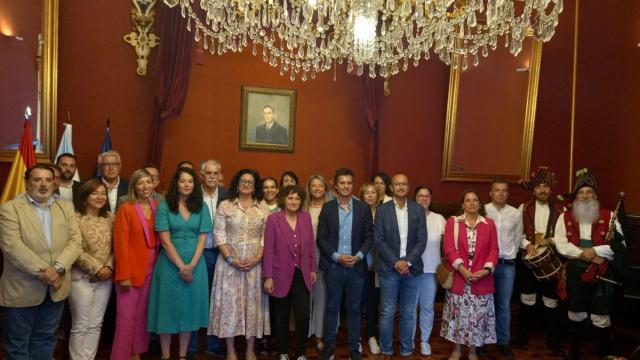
(305, 37)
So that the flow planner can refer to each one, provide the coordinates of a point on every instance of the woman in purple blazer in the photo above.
(289, 268)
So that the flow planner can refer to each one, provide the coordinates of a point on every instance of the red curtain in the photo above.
(371, 93)
(171, 73)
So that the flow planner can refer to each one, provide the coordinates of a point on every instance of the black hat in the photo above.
(541, 175)
(585, 178)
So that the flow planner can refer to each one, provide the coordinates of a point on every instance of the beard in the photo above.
(66, 175)
(586, 211)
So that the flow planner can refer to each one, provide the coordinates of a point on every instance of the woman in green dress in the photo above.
(179, 300)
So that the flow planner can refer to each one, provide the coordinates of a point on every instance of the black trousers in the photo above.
(583, 297)
(298, 297)
(371, 302)
(530, 285)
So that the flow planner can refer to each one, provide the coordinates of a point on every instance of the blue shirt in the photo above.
(345, 224)
(44, 215)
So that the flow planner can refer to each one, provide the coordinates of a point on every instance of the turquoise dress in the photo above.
(174, 305)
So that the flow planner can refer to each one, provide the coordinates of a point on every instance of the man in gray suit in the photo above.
(40, 240)
(400, 235)
(271, 132)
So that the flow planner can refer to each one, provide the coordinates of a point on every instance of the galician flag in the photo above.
(24, 159)
(65, 147)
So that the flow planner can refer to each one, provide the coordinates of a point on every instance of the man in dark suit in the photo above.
(110, 164)
(271, 132)
(67, 164)
(212, 196)
(400, 235)
(344, 236)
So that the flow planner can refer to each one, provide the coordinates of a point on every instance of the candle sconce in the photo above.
(142, 38)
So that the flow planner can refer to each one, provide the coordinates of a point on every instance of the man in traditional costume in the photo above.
(539, 217)
(582, 237)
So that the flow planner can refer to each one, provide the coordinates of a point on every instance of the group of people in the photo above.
(237, 262)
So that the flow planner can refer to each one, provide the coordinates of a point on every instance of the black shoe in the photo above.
(191, 355)
(505, 350)
(355, 355)
(481, 350)
(326, 354)
(556, 350)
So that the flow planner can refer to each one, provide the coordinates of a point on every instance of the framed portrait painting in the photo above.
(267, 119)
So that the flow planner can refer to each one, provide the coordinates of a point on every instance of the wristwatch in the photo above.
(490, 270)
(59, 268)
(229, 259)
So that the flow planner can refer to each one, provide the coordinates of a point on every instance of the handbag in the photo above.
(444, 274)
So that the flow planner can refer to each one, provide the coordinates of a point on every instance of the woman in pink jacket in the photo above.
(289, 268)
(469, 316)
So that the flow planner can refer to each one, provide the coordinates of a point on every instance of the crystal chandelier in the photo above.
(305, 37)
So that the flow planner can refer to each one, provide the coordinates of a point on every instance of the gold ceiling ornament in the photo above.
(142, 16)
(304, 37)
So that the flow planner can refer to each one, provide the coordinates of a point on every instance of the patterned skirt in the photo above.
(469, 319)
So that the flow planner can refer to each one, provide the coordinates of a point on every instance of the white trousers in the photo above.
(87, 303)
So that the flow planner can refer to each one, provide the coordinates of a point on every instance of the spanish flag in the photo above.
(24, 159)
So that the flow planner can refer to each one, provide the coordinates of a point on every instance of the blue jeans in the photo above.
(504, 277)
(213, 343)
(427, 289)
(402, 290)
(29, 332)
(348, 281)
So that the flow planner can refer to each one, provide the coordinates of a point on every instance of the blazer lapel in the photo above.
(394, 222)
(285, 228)
(31, 216)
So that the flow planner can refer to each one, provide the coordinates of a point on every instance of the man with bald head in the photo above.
(400, 236)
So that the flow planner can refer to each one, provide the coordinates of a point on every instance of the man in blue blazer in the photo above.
(345, 233)
(400, 235)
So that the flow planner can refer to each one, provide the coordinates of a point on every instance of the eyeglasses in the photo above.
(246, 182)
(155, 177)
(422, 196)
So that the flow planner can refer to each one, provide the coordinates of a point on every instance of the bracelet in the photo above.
(229, 259)
(490, 270)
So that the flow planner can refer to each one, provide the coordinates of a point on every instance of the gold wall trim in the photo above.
(573, 94)
(448, 173)
(49, 86)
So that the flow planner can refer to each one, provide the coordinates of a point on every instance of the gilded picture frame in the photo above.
(267, 119)
(523, 142)
(48, 87)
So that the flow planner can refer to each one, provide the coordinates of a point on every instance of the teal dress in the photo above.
(174, 305)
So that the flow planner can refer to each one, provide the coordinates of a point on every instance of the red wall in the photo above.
(608, 126)
(18, 66)
(330, 131)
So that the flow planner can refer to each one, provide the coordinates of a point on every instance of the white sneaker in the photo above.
(360, 347)
(284, 357)
(425, 348)
(301, 357)
(373, 346)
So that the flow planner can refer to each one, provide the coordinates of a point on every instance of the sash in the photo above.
(145, 223)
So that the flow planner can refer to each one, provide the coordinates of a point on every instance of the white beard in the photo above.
(586, 211)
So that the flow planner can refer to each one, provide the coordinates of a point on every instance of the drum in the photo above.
(545, 264)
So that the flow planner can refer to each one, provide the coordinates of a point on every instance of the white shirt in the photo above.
(387, 198)
(509, 226)
(567, 249)
(66, 192)
(435, 230)
(212, 205)
(403, 225)
(539, 222)
(112, 193)
(44, 215)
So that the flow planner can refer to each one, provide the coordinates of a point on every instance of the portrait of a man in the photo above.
(267, 121)
(270, 131)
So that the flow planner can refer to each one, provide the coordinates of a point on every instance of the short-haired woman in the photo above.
(92, 272)
(289, 268)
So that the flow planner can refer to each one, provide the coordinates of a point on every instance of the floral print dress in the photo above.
(469, 319)
(238, 304)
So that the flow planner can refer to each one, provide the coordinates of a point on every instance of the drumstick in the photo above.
(608, 280)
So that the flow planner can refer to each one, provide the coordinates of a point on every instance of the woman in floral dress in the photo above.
(469, 316)
(238, 304)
